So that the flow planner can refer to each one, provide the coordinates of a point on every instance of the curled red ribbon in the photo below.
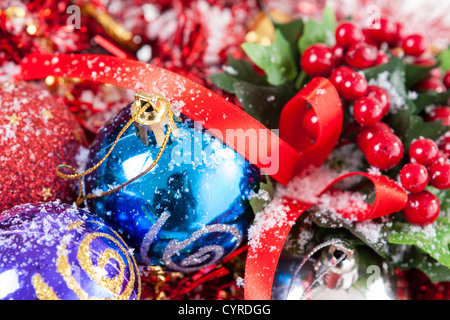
(280, 157)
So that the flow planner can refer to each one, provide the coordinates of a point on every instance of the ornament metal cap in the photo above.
(154, 118)
(341, 261)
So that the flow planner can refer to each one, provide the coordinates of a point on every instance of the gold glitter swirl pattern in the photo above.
(43, 291)
(111, 285)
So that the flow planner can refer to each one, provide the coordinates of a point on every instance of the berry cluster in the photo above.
(427, 166)
(357, 49)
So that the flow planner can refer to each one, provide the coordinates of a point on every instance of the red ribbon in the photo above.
(281, 158)
(226, 121)
(323, 98)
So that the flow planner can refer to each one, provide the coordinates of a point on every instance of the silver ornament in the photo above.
(336, 270)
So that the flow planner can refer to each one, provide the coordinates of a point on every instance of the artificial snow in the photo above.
(397, 101)
(326, 208)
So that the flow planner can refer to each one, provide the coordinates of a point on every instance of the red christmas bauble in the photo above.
(37, 133)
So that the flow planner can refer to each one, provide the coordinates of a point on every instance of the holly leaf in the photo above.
(264, 195)
(433, 240)
(444, 60)
(413, 257)
(429, 98)
(236, 70)
(408, 127)
(405, 122)
(276, 59)
(416, 73)
(264, 103)
(444, 200)
(392, 77)
(318, 31)
(291, 30)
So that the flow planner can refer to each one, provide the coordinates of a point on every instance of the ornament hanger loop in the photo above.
(154, 119)
(168, 119)
(339, 252)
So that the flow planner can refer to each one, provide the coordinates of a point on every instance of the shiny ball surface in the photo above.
(314, 282)
(55, 251)
(189, 211)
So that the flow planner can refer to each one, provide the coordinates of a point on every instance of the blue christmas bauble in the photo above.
(191, 210)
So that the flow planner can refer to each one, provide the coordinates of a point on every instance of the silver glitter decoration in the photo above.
(192, 262)
(151, 235)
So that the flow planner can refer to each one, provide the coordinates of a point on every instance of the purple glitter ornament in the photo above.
(57, 251)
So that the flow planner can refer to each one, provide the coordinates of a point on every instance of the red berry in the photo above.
(440, 175)
(367, 111)
(425, 61)
(431, 84)
(422, 208)
(381, 95)
(414, 177)
(382, 58)
(317, 60)
(361, 55)
(384, 150)
(436, 73)
(310, 123)
(444, 144)
(441, 157)
(338, 54)
(440, 113)
(338, 74)
(423, 151)
(414, 45)
(383, 30)
(367, 38)
(446, 79)
(398, 35)
(352, 86)
(347, 33)
(364, 134)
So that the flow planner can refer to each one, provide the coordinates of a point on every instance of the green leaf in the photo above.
(428, 98)
(444, 200)
(301, 80)
(413, 257)
(433, 243)
(264, 103)
(444, 60)
(291, 30)
(408, 127)
(236, 70)
(318, 31)
(276, 60)
(416, 73)
(264, 195)
(395, 69)
(406, 123)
